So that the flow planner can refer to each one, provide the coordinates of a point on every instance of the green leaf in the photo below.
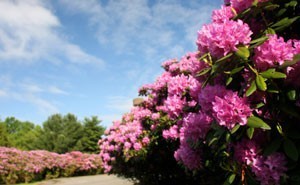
(270, 31)
(291, 95)
(235, 128)
(260, 82)
(203, 71)
(290, 149)
(292, 62)
(243, 52)
(228, 81)
(259, 40)
(236, 70)
(259, 105)
(271, 7)
(283, 23)
(272, 73)
(281, 12)
(251, 89)
(224, 58)
(291, 4)
(273, 146)
(256, 122)
(250, 132)
(203, 56)
(231, 178)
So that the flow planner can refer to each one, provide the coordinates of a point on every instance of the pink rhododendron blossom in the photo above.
(207, 96)
(222, 38)
(230, 110)
(240, 5)
(195, 126)
(137, 146)
(273, 53)
(191, 64)
(246, 151)
(171, 133)
(270, 169)
(173, 106)
(293, 72)
(146, 140)
(188, 157)
(223, 14)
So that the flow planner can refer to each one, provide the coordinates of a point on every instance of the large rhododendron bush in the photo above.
(226, 113)
(26, 166)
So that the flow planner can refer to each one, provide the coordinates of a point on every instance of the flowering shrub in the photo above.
(227, 113)
(26, 166)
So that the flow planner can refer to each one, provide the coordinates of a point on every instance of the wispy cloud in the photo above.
(119, 103)
(144, 26)
(31, 92)
(30, 32)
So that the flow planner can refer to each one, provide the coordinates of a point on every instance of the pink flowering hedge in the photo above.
(226, 113)
(26, 166)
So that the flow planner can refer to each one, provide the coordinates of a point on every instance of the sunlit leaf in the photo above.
(256, 122)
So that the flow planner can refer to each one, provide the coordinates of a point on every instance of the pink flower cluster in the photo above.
(27, 165)
(274, 52)
(268, 170)
(240, 5)
(225, 106)
(222, 38)
(124, 137)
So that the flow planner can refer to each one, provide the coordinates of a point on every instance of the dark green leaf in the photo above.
(259, 40)
(229, 80)
(203, 56)
(291, 4)
(271, 7)
(203, 72)
(272, 73)
(281, 12)
(291, 95)
(273, 146)
(270, 31)
(290, 149)
(231, 178)
(236, 70)
(260, 82)
(291, 110)
(284, 23)
(251, 89)
(250, 132)
(256, 122)
(224, 58)
(259, 105)
(235, 128)
(243, 52)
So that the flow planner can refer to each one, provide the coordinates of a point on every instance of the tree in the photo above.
(61, 133)
(3, 135)
(92, 132)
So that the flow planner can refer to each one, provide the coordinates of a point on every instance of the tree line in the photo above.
(59, 133)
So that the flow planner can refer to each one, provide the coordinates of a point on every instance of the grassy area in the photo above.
(34, 183)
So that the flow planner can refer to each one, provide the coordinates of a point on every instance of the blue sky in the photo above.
(89, 57)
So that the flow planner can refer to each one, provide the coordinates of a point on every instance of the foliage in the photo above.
(58, 133)
(27, 166)
(228, 113)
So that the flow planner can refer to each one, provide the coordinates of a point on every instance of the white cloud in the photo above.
(29, 32)
(3, 93)
(144, 26)
(28, 91)
(120, 103)
(56, 90)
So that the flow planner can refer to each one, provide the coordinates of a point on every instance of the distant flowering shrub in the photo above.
(26, 166)
(225, 114)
